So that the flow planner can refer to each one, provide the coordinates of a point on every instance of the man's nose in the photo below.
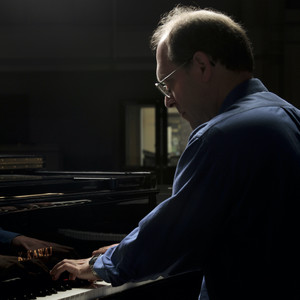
(169, 102)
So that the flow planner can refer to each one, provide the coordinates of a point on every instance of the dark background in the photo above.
(68, 67)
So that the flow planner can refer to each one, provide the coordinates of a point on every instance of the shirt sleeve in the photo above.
(177, 235)
(5, 239)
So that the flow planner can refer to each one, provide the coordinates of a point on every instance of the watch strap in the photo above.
(91, 264)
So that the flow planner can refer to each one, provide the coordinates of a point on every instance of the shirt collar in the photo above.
(245, 88)
(237, 95)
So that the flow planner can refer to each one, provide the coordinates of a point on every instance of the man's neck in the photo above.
(227, 81)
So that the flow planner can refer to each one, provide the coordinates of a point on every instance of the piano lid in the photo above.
(45, 186)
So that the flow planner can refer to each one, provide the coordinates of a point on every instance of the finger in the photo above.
(102, 250)
(70, 265)
(66, 266)
(58, 265)
(67, 261)
(97, 252)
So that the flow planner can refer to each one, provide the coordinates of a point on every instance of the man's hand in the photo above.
(77, 268)
(102, 250)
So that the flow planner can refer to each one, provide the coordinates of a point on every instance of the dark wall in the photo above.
(73, 64)
(79, 112)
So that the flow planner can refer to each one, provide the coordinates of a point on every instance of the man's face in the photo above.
(187, 93)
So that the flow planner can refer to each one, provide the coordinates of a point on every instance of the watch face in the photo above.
(93, 259)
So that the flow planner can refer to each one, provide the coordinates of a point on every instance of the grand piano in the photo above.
(84, 210)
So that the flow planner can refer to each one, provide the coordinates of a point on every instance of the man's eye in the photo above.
(166, 88)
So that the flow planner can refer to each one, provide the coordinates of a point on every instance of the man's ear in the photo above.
(202, 62)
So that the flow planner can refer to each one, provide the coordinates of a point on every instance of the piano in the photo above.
(84, 210)
(42, 203)
(65, 289)
(184, 286)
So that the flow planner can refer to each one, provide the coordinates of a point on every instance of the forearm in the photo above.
(160, 246)
(178, 234)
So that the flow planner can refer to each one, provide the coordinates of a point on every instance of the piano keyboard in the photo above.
(80, 293)
(97, 290)
(17, 289)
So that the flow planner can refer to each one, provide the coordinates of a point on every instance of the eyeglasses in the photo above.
(162, 87)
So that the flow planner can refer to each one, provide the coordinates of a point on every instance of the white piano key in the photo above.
(96, 290)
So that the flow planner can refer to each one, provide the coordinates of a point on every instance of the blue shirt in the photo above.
(234, 208)
(5, 239)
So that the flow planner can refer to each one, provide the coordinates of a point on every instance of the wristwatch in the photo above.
(91, 264)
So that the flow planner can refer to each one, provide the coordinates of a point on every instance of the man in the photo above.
(234, 208)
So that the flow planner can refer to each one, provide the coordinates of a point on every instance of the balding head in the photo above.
(187, 30)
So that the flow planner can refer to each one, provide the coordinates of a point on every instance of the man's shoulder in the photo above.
(251, 118)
